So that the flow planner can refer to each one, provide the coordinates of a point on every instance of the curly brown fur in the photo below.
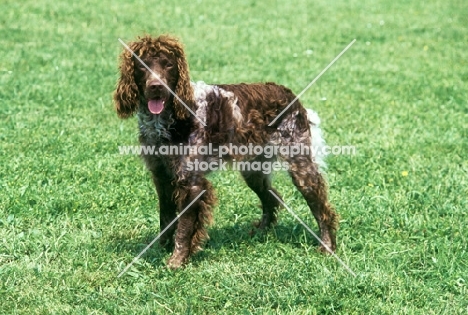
(126, 95)
(237, 114)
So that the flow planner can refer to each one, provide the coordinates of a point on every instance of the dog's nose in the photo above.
(154, 86)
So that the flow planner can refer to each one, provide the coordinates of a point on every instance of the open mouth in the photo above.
(156, 106)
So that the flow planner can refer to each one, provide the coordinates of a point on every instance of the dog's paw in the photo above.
(256, 224)
(264, 223)
(175, 262)
(257, 228)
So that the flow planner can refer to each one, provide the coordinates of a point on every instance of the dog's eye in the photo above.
(167, 64)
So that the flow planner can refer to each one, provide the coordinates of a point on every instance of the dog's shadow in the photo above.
(227, 238)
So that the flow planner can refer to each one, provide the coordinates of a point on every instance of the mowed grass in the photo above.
(73, 212)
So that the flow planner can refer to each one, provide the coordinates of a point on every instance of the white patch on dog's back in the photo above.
(201, 90)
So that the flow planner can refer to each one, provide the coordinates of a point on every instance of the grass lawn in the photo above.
(74, 212)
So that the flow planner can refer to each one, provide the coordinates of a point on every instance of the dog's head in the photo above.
(148, 85)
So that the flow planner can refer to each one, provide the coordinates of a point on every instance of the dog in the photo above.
(172, 110)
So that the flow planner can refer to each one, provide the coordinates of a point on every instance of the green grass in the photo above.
(73, 212)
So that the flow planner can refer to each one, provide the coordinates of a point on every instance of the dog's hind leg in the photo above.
(260, 183)
(191, 228)
(310, 182)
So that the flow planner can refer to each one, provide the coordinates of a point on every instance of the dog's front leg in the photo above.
(185, 230)
(167, 207)
(163, 177)
(191, 229)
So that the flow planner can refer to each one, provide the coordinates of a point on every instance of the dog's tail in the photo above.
(318, 143)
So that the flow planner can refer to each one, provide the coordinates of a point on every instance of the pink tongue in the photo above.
(156, 106)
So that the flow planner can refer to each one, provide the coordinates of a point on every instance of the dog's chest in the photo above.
(155, 129)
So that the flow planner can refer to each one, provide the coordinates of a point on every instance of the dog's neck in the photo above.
(156, 129)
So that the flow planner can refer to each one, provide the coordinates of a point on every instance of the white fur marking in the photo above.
(201, 90)
(318, 143)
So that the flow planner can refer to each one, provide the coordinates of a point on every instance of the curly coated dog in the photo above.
(172, 110)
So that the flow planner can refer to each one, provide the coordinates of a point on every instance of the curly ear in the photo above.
(126, 95)
(184, 89)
